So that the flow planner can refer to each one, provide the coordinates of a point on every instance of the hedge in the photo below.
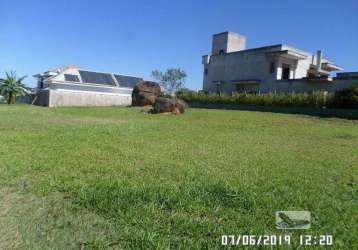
(341, 99)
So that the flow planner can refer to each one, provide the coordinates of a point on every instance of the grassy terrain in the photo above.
(113, 178)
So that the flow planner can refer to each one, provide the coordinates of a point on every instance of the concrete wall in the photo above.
(228, 42)
(250, 64)
(301, 85)
(60, 97)
(67, 94)
(243, 65)
(302, 67)
(42, 98)
(298, 68)
(254, 64)
(231, 67)
(294, 85)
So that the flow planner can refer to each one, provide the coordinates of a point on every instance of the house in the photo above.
(73, 86)
(275, 68)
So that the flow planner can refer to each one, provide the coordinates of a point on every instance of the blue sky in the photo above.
(135, 37)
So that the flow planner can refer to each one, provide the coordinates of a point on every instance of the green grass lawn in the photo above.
(118, 178)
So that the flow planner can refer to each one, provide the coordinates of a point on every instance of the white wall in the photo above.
(59, 98)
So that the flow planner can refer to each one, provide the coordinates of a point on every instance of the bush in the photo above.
(314, 99)
(185, 92)
(347, 98)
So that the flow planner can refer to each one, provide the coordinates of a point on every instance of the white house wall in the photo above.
(302, 67)
(61, 97)
(298, 68)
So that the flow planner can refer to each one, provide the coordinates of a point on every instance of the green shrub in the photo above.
(347, 98)
(314, 99)
(185, 92)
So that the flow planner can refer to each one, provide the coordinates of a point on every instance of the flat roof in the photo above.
(253, 49)
(280, 46)
(229, 32)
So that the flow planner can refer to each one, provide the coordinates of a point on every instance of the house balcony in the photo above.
(315, 71)
(330, 67)
(289, 54)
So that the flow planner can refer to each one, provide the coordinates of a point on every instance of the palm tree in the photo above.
(12, 86)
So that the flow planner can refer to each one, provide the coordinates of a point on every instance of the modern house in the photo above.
(73, 86)
(233, 68)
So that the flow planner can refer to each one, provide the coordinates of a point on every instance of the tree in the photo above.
(172, 79)
(12, 86)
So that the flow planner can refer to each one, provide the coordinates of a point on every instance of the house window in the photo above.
(285, 72)
(247, 88)
(272, 67)
(206, 71)
(221, 52)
